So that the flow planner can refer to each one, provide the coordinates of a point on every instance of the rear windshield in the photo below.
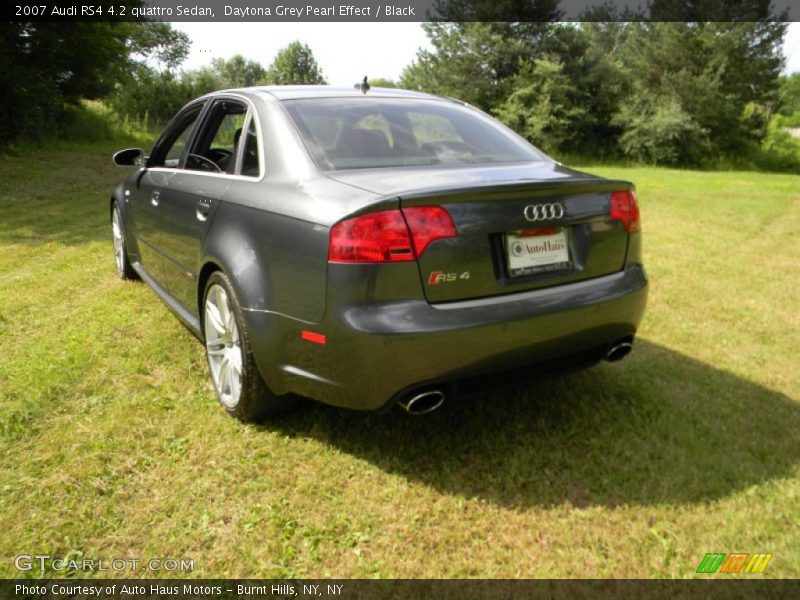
(357, 133)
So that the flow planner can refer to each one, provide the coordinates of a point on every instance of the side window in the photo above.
(169, 153)
(250, 156)
(216, 146)
(228, 132)
(175, 150)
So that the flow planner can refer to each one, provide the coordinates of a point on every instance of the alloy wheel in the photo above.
(119, 243)
(223, 346)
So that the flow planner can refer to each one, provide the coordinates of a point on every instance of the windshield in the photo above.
(357, 133)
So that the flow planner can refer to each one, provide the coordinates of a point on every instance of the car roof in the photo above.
(295, 92)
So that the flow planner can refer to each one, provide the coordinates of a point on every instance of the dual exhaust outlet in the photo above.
(428, 401)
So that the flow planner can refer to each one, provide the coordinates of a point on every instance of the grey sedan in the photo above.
(372, 248)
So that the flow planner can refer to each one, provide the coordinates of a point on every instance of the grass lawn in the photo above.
(113, 446)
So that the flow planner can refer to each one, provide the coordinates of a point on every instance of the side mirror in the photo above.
(132, 157)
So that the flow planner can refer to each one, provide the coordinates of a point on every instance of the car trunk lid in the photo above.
(517, 228)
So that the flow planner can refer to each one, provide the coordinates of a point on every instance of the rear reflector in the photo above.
(389, 235)
(311, 336)
(624, 208)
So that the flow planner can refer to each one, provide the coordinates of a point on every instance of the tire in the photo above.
(237, 383)
(123, 263)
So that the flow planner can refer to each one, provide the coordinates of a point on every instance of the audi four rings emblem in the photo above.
(543, 212)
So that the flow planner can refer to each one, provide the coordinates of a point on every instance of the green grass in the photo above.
(113, 446)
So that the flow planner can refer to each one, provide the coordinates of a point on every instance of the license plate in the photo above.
(537, 251)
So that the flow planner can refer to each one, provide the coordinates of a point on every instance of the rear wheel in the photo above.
(237, 382)
(124, 268)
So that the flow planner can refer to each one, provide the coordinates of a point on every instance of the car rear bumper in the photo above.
(377, 351)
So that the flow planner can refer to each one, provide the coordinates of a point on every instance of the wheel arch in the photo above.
(234, 244)
(264, 341)
(118, 198)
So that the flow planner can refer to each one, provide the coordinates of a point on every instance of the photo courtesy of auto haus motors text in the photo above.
(182, 590)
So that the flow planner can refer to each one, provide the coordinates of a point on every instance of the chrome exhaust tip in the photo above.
(423, 403)
(618, 351)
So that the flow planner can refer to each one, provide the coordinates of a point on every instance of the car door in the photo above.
(151, 182)
(193, 194)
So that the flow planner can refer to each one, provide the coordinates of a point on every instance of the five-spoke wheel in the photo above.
(236, 379)
(223, 346)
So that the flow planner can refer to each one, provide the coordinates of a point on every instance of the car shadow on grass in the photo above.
(658, 427)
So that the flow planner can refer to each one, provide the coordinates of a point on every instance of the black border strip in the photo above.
(345, 589)
(372, 11)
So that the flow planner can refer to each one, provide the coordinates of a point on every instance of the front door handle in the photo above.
(203, 208)
(155, 198)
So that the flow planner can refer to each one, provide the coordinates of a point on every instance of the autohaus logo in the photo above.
(546, 246)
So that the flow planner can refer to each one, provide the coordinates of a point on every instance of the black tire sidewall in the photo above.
(127, 271)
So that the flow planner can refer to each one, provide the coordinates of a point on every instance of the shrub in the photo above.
(666, 135)
(779, 151)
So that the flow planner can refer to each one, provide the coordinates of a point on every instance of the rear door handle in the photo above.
(155, 198)
(203, 208)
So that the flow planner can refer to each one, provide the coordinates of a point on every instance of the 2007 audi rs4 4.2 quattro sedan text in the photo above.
(366, 248)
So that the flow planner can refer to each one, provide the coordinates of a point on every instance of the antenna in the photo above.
(363, 86)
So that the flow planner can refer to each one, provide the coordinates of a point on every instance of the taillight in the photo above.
(624, 209)
(428, 224)
(389, 235)
(376, 237)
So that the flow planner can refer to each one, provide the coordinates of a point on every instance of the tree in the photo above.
(700, 88)
(382, 82)
(720, 11)
(486, 64)
(294, 65)
(495, 11)
(788, 104)
(473, 61)
(540, 107)
(237, 72)
(156, 96)
(158, 42)
(50, 66)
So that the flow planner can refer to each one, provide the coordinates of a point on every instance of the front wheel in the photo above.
(237, 382)
(123, 263)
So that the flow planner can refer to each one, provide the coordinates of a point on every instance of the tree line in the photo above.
(47, 69)
(670, 93)
(156, 92)
(655, 92)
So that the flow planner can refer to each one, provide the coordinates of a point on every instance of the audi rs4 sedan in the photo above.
(366, 248)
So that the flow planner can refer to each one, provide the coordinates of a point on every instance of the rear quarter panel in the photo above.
(277, 262)
(271, 235)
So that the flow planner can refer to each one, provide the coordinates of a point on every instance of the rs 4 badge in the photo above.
(437, 277)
